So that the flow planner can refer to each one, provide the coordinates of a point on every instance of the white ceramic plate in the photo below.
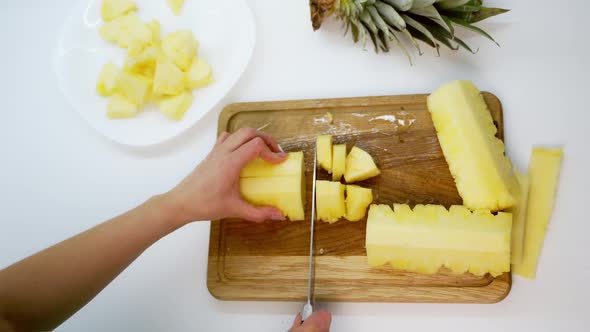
(227, 35)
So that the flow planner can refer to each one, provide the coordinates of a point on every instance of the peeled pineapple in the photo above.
(134, 87)
(428, 237)
(112, 9)
(324, 152)
(121, 108)
(544, 169)
(330, 202)
(359, 166)
(169, 79)
(519, 219)
(476, 159)
(176, 6)
(338, 161)
(358, 200)
(174, 107)
(199, 74)
(279, 185)
(144, 63)
(128, 32)
(180, 47)
(107, 79)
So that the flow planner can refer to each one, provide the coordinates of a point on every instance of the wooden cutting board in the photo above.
(269, 261)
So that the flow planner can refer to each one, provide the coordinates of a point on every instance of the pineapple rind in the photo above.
(428, 237)
(476, 159)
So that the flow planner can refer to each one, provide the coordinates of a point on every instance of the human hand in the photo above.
(319, 321)
(212, 190)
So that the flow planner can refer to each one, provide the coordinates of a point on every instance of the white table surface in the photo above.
(58, 177)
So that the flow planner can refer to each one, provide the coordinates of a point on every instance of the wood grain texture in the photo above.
(269, 261)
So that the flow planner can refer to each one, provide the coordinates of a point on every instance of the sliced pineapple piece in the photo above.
(112, 9)
(199, 74)
(291, 166)
(176, 106)
(181, 47)
(519, 218)
(143, 64)
(121, 108)
(338, 161)
(156, 29)
(358, 200)
(176, 6)
(128, 32)
(330, 202)
(324, 152)
(283, 193)
(168, 79)
(359, 166)
(107, 79)
(134, 87)
(428, 237)
(544, 171)
(476, 159)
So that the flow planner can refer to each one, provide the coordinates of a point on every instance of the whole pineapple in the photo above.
(385, 21)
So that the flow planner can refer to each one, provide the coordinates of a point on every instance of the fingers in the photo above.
(256, 147)
(319, 321)
(244, 135)
(222, 138)
(246, 211)
(296, 322)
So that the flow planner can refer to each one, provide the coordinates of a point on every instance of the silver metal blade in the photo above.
(308, 308)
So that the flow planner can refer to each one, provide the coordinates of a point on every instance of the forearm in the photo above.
(42, 291)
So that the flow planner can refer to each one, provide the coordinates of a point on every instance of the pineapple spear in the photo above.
(387, 21)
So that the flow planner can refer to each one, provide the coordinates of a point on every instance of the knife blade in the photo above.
(308, 307)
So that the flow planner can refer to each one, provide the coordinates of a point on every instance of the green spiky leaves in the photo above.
(386, 22)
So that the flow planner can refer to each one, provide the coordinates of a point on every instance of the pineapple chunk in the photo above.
(112, 9)
(176, 6)
(143, 64)
(176, 106)
(128, 32)
(291, 166)
(199, 75)
(120, 108)
(107, 79)
(359, 166)
(330, 201)
(338, 161)
(181, 47)
(324, 152)
(283, 193)
(358, 200)
(134, 87)
(429, 237)
(519, 219)
(156, 29)
(476, 159)
(544, 170)
(168, 79)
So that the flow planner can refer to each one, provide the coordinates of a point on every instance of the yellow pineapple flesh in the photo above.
(338, 161)
(544, 171)
(280, 185)
(476, 159)
(324, 152)
(112, 9)
(107, 79)
(358, 200)
(519, 219)
(176, 106)
(330, 202)
(428, 237)
(359, 166)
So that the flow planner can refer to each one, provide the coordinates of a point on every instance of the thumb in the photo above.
(296, 322)
(250, 212)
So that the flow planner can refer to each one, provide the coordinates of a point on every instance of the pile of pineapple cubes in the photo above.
(159, 70)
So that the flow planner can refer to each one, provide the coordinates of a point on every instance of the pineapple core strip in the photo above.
(519, 219)
(544, 170)
(428, 237)
(476, 159)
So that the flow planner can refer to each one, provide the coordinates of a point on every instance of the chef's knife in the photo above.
(308, 307)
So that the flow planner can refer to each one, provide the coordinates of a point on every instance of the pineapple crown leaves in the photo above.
(386, 22)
